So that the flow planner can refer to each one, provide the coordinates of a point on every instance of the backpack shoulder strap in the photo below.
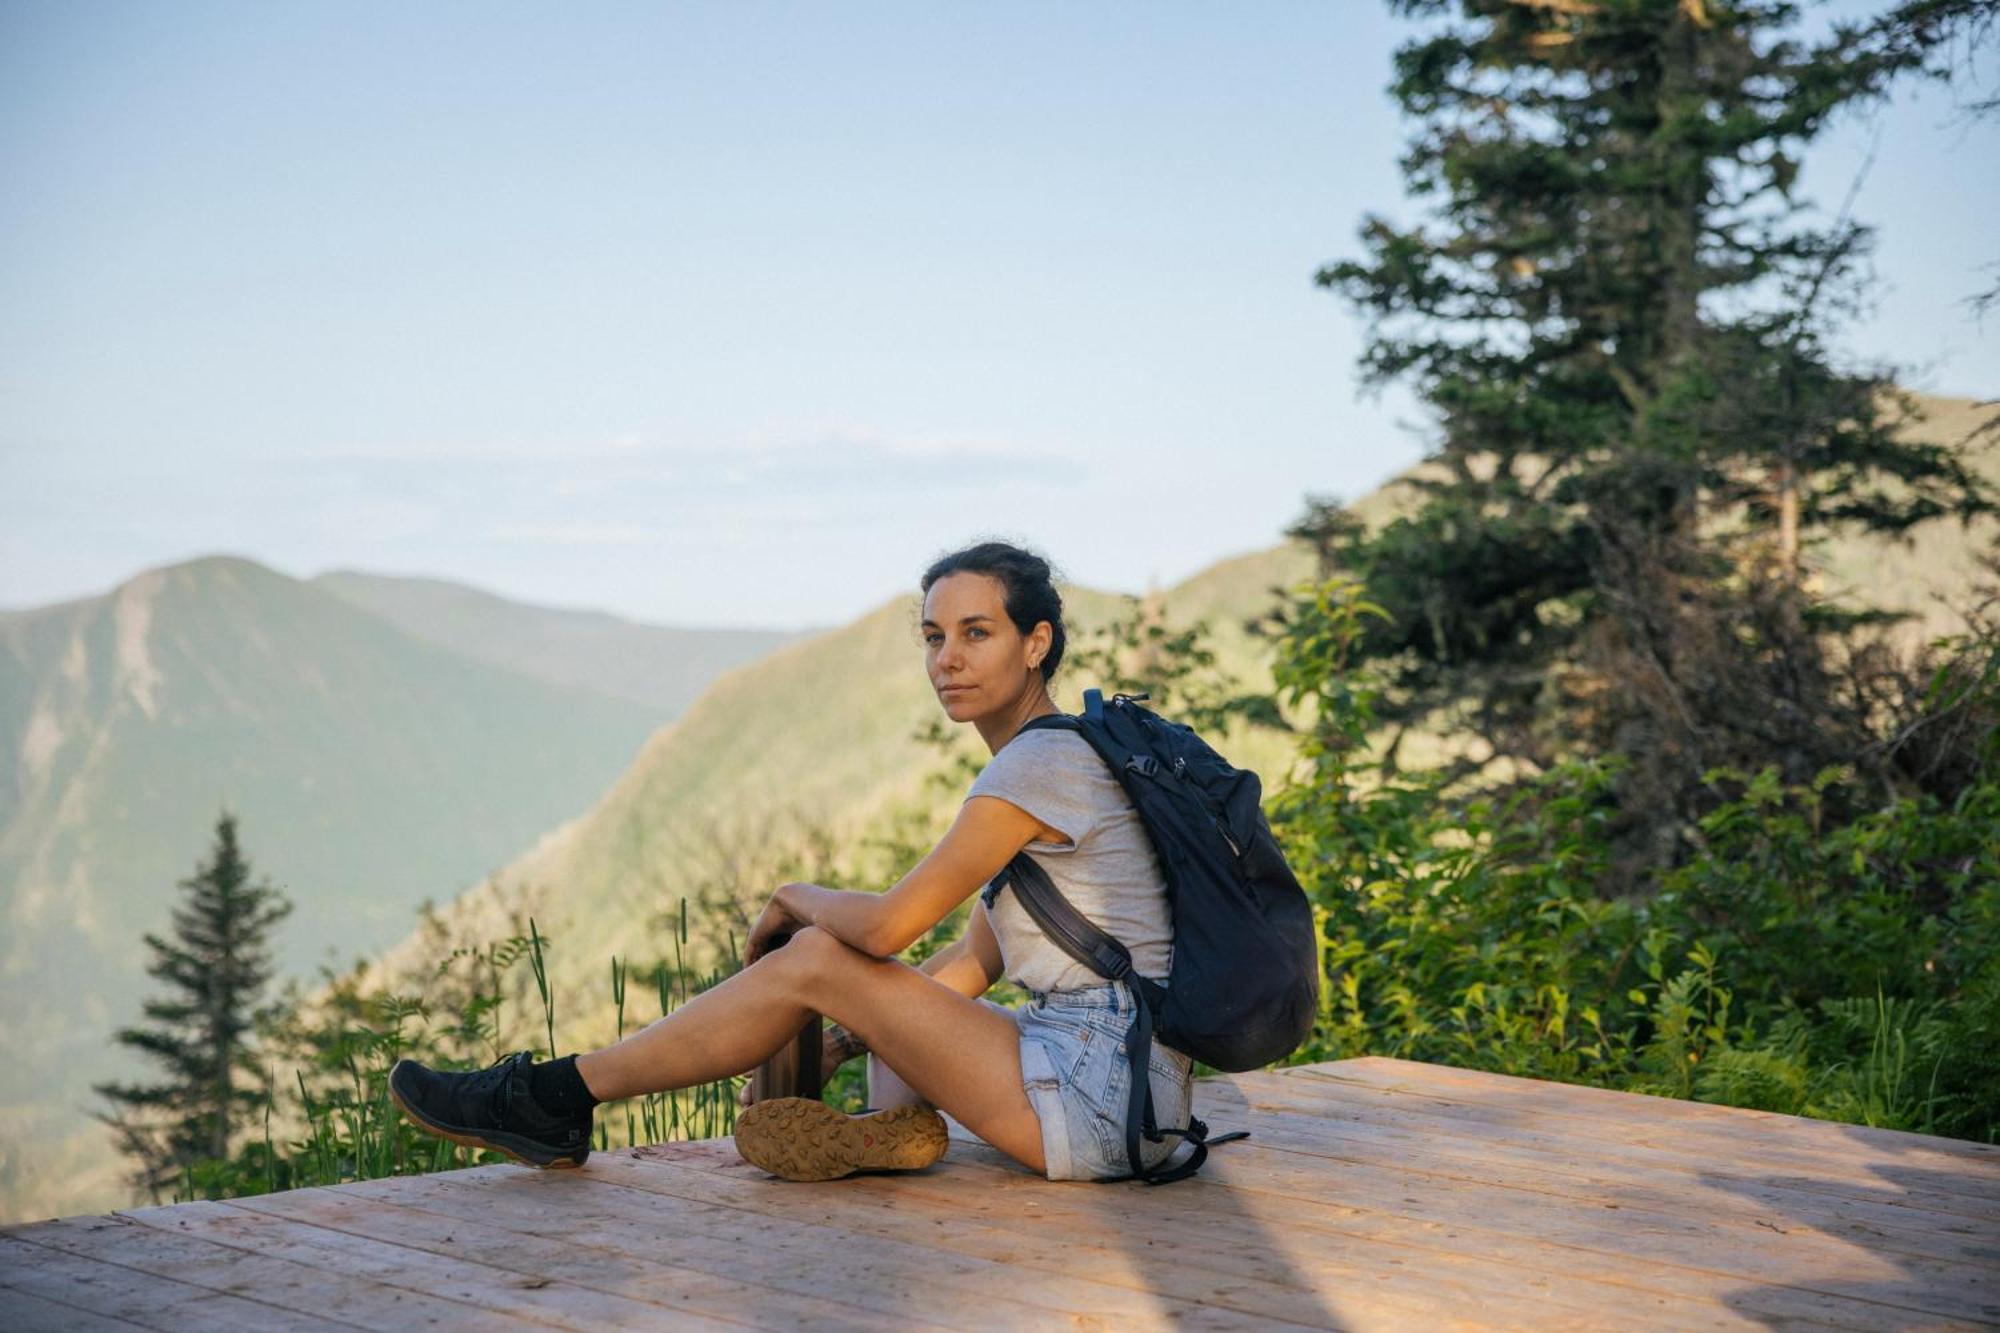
(1073, 932)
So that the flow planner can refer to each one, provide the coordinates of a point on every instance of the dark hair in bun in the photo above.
(1030, 584)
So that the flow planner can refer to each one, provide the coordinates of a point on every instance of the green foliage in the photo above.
(1141, 652)
(1797, 963)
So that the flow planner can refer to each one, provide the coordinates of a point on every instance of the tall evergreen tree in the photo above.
(215, 965)
(1622, 317)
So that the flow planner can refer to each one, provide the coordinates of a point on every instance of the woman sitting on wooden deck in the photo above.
(1047, 1084)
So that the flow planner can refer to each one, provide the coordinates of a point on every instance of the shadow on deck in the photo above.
(1373, 1193)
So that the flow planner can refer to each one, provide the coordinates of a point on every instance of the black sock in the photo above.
(559, 1089)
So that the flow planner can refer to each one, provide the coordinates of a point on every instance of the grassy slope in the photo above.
(1932, 571)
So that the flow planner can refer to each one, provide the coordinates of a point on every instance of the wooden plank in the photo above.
(1966, 1260)
(1463, 1221)
(973, 1288)
(117, 1292)
(903, 1282)
(1172, 1266)
(23, 1312)
(546, 1297)
(1758, 1130)
(1619, 1236)
(1656, 1121)
(1834, 1166)
(1077, 1283)
(291, 1291)
(1892, 1222)
(1205, 1254)
(684, 1293)
(1642, 1289)
(1890, 1219)
(1386, 1071)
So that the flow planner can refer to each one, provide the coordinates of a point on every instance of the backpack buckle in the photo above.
(1144, 764)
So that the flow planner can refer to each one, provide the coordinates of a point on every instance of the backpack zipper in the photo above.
(1222, 827)
(1150, 767)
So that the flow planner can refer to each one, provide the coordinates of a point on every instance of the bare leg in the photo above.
(957, 1054)
(887, 1089)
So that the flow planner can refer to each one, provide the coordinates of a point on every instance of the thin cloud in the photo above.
(574, 534)
(859, 447)
(636, 491)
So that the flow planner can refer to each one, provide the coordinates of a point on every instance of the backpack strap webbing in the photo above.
(1080, 938)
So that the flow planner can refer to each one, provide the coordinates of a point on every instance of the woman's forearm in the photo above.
(848, 916)
(852, 917)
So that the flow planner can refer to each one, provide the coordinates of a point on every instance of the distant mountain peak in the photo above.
(219, 565)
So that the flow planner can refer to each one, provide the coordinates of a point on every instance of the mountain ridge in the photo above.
(661, 667)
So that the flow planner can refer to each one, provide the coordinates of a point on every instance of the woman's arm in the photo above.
(985, 837)
(970, 964)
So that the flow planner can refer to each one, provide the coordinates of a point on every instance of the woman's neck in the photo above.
(1000, 728)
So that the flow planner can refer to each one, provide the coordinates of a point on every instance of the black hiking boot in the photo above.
(490, 1108)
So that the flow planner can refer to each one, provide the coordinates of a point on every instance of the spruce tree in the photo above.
(1623, 319)
(215, 964)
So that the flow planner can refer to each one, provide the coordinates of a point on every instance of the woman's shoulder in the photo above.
(1043, 750)
(1049, 744)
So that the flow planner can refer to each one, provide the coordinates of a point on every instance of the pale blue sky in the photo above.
(736, 313)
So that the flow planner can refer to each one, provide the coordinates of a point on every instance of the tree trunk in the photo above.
(793, 1071)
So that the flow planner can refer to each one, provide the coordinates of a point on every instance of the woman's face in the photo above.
(978, 662)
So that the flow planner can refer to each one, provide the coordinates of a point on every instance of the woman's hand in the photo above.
(774, 925)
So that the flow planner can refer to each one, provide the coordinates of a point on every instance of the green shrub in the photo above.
(1796, 961)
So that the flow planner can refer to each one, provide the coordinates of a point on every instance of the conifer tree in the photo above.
(215, 964)
(1623, 319)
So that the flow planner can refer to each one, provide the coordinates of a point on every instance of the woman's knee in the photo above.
(815, 950)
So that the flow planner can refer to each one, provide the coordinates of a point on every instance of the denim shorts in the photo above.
(1077, 1075)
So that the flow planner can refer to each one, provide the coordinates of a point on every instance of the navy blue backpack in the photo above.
(1243, 987)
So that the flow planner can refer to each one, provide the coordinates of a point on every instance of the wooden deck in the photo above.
(1374, 1193)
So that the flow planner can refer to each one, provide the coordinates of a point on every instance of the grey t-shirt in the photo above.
(1110, 872)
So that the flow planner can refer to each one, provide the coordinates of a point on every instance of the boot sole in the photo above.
(510, 1145)
(800, 1138)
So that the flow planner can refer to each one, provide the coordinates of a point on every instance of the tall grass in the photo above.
(332, 1122)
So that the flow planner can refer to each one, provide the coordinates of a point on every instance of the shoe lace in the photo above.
(495, 1084)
